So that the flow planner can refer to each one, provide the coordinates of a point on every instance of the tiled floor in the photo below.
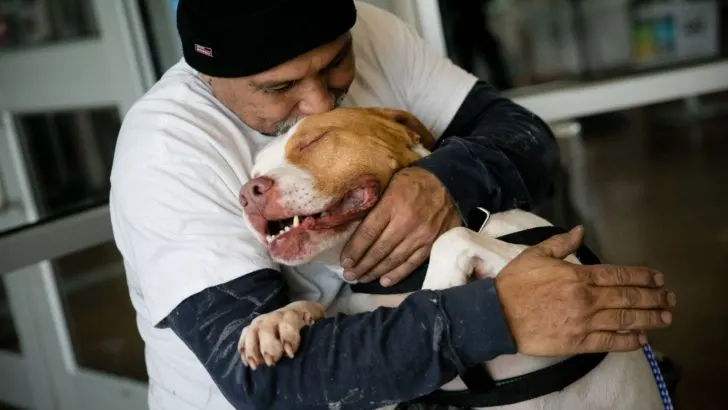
(654, 195)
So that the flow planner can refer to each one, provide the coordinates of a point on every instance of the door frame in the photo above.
(113, 69)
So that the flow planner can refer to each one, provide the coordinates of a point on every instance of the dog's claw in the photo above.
(289, 350)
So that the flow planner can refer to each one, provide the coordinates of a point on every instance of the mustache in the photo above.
(285, 125)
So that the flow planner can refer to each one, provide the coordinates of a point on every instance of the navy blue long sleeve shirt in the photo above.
(494, 154)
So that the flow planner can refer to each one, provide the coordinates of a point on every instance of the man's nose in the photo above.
(318, 99)
(254, 191)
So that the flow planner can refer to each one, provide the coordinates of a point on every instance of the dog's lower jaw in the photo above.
(333, 247)
(331, 255)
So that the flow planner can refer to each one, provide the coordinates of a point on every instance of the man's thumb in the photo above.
(562, 245)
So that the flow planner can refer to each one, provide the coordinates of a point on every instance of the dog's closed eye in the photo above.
(308, 140)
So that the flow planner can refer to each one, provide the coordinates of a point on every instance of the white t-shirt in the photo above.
(180, 161)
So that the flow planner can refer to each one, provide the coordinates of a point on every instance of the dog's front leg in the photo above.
(459, 252)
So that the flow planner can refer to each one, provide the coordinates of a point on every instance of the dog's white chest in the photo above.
(314, 282)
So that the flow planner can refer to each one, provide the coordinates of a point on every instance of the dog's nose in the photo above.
(254, 190)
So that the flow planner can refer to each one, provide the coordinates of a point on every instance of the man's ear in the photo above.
(421, 133)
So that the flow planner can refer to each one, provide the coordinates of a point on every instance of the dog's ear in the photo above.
(421, 133)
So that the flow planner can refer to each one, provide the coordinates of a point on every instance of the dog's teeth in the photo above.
(296, 222)
(288, 228)
(324, 213)
(270, 238)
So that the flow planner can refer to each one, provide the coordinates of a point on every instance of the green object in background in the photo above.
(643, 41)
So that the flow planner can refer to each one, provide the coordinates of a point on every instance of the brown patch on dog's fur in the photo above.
(377, 133)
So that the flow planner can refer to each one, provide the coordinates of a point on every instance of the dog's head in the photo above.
(312, 186)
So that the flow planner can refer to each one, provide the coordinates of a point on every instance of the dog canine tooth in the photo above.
(296, 222)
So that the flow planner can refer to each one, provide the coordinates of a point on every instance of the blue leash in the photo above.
(661, 386)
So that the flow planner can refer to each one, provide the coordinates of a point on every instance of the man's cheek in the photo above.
(340, 80)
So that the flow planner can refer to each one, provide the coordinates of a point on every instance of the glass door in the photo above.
(69, 70)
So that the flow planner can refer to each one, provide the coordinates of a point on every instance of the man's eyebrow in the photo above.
(345, 50)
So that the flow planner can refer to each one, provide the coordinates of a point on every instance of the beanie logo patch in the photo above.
(203, 50)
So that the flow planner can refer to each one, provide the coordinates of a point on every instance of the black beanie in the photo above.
(238, 38)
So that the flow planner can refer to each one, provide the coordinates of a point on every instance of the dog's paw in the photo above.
(270, 335)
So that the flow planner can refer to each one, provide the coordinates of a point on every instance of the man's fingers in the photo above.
(378, 252)
(598, 342)
(560, 246)
(632, 297)
(630, 319)
(392, 261)
(407, 267)
(610, 275)
(363, 238)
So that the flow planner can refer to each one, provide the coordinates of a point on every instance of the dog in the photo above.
(318, 181)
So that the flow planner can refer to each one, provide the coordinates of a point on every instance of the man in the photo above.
(197, 276)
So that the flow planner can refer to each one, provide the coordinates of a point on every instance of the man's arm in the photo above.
(358, 362)
(494, 154)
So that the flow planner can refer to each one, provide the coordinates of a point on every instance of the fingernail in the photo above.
(347, 263)
(577, 229)
(348, 275)
(671, 299)
(643, 338)
(659, 279)
(666, 317)
(385, 281)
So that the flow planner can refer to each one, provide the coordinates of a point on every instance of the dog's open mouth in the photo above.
(283, 226)
(352, 206)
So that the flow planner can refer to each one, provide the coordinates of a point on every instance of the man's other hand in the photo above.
(557, 308)
(398, 233)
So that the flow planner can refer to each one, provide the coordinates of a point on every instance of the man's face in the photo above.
(272, 101)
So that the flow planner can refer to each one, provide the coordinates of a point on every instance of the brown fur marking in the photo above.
(376, 132)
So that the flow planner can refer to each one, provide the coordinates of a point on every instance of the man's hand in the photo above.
(557, 308)
(397, 235)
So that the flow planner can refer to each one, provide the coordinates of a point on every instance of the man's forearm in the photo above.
(494, 154)
(358, 362)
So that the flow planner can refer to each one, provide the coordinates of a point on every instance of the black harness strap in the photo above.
(483, 391)
(534, 236)
(521, 388)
